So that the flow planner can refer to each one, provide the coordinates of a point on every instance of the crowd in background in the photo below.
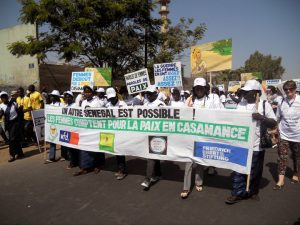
(278, 108)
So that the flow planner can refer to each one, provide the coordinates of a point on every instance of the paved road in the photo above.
(34, 193)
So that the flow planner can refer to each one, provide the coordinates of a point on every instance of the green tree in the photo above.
(102, 32)
(270, 66)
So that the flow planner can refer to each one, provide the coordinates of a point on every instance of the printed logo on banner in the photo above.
(158, 145)
(107, 141)
(53, 132)
(221, 152)
(69, 137)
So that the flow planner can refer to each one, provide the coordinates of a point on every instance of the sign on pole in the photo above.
(102, 76)
(80, 79)
(233, 86)
(137, 82)
(168, 74)
(274, 82)
(38, 117)
(211, 56)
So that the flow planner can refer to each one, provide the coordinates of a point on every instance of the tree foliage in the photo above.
(269, 66)
(101, 32)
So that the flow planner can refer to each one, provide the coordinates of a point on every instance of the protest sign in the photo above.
(233, 86)
(220, 138)
(211, 56)
(38, 118)
(80, 79)
(251, 76)
(168, 74)
(273, 83)
(297, 83)
(137, 81)
(102, 76)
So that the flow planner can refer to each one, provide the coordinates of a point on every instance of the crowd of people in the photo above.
(278, 108)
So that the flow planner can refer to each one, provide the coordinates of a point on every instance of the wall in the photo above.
(15, 72)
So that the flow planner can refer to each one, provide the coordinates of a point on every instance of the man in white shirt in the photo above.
(101, 95)
(9, 110)
(153, 170)
(114, 102)
(250, 93)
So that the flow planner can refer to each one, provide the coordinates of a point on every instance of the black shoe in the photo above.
(255, 197)
(11, 159)
(233, 199)
(20, 156)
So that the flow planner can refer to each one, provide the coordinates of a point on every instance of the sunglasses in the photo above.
(289, 89)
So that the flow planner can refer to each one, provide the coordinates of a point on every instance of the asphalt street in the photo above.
(32, 192)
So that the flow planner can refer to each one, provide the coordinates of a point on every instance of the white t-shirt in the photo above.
(288, 115)
(177, 104)
(205, 102)
(119, 104)
(78, 99)
(57, 104)
(269, 113)
(93, 103)
(13, 110)
(223, 98)
(155, 103)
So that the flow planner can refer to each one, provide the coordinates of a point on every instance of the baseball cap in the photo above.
(187, 91)
(151, 88)
(111, 93)
(69, 93)
(199, 81)
(100, 90)
(251, 85)
(3, 93)
(55, 93)
(12, 93)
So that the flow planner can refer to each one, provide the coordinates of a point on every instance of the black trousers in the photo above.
(14, 138)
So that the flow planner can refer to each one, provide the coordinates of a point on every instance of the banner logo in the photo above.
(53, 132)
(221, 152)
(107, 141)
(69, 137)
(158, 145)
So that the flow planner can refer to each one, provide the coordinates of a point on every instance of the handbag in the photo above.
(265, 135)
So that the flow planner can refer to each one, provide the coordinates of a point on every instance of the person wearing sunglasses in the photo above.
(288, 116)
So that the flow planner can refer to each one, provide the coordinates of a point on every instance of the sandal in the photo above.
(184, 194)
(277, 187)
(294, 181)
(199, 188)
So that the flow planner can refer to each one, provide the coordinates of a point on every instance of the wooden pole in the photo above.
(210, 82)
(248, 177)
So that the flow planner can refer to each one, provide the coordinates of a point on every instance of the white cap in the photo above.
(69, 93)
(3, 93)
(251, 85)
(111, 93)
(100, 90)
(187, 91)
(199, 81)
(221, 89)
(55, 92)
(151, 88)
(182, 92)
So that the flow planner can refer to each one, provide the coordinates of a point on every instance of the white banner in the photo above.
(80, 79)
(137, 81)
(168, 74)
(220, 138)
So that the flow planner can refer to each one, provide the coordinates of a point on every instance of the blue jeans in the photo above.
(239, 181)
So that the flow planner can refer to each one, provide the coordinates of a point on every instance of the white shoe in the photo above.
(146, 184)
